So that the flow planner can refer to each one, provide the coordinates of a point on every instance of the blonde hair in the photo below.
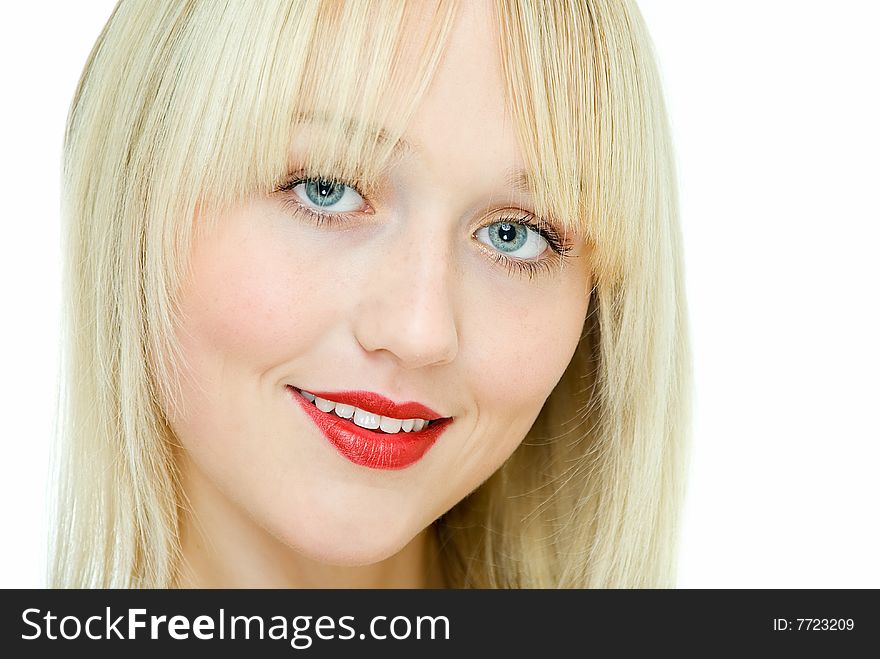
(186, 107)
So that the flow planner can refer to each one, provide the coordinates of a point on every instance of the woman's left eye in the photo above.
(325, 195)
(513, 239)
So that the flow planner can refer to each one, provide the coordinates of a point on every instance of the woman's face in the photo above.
(433, 291)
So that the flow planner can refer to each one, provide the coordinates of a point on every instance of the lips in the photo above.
(373, 448)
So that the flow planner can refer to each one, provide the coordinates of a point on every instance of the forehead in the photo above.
(461, 117)
(421, 143)
(463, 114)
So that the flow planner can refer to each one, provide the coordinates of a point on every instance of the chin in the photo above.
(349, 540)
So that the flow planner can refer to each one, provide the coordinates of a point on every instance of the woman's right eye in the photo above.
(328, 196)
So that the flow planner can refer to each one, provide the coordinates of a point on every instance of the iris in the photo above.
(324, 193)
(508, 237)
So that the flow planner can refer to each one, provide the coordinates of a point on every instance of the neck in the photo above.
(222, 547)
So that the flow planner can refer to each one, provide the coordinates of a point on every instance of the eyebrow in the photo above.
(519, 180)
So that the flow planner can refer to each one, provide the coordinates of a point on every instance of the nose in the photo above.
(406, 307)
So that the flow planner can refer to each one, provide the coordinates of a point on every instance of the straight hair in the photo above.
(186, 107)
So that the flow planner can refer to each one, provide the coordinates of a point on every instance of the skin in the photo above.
(403, 301)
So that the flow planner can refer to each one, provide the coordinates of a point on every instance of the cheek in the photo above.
(250, 306)
(253, 301)
(515, 357)
(522, 349)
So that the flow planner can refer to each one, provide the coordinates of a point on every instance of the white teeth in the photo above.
(366, 419)
(345, 411)
(390, 425)
(324, 405)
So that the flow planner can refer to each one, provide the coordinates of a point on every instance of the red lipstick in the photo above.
(374, 448)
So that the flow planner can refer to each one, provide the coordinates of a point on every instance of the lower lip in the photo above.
(367, 448)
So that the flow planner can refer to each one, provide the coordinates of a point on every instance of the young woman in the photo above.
(371, 294)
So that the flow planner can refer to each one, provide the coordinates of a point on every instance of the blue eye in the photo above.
(323, 194)
(513, 239)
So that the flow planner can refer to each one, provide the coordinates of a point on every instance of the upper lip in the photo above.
(374, 403)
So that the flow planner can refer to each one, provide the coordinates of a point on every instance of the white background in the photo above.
(774, 113)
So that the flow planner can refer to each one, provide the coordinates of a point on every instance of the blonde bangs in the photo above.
(582, 91)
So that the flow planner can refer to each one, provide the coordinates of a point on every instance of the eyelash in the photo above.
(514, 266)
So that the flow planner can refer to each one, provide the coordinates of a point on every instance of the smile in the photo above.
(371, 430)
(366, 419)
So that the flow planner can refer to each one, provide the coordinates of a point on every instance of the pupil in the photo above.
(322, 192)
(507, 233)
